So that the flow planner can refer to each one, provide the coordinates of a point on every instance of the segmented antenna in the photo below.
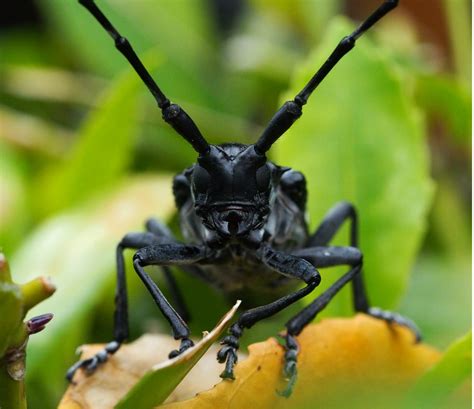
(292, 110)
(172, 113)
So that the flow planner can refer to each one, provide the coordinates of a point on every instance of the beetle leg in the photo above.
(172, 113)
(285, 264)
(298, 322)
(290, 369)
(168, 254)
(228, 353)
(328, 228)
(157, 234)
(321, 256)
(92, 363)
(324, 233)
(292, 110)
(393, 317)
(161, 231)
(121, 330)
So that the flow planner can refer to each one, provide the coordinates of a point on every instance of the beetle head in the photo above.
(231, 185)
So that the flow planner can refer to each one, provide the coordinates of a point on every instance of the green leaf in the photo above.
(102, 152)
(437, 385)
(156, 385)
(362, 139)
(187, 23)
(444, 321)
(146, 24)
(84, 37)
(180, 30)
(14, 211)
(77, 249)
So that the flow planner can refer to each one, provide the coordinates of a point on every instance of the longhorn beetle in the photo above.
(243, 217)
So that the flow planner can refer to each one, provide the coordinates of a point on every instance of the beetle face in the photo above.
(231, 186)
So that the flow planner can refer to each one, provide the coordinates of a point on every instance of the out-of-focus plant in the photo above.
(74, 157)
(15, 302)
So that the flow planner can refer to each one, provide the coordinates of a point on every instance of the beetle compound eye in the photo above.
(201, 179)
(263, 178)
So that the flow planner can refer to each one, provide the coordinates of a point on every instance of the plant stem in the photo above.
(15, 302)
(12, 374)
(12, 392)
(35, 291)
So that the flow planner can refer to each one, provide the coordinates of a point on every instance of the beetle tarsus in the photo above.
(393, 317)
(291, 381)
(186, 343)
(290, 370)
(91, 364)
(228, 352)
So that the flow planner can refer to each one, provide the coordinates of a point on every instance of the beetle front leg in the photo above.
(168, 254)
(285, 264)
(228, 353)
(297, 324)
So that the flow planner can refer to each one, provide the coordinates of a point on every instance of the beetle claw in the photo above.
(225, 374)
(291, 381)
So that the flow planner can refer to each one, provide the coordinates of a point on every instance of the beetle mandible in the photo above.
(244, 220)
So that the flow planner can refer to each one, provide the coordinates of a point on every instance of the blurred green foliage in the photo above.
(445, 377)
(85, 156)
(372, 154)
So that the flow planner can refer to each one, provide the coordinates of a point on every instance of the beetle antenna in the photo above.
(172, 113)
(292, 110)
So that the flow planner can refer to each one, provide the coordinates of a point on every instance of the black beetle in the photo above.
(244, 219)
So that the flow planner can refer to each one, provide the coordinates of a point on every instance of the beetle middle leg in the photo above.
(328, 228)
(326, 257)
(330, 225)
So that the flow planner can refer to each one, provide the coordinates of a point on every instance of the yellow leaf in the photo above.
(344, 363)
(359, 362)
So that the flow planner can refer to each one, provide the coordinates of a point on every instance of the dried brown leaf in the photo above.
(143, 366)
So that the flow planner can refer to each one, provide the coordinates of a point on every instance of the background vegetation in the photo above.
(85, 156)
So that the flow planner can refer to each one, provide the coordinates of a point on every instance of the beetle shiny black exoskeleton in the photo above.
(243, 217)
